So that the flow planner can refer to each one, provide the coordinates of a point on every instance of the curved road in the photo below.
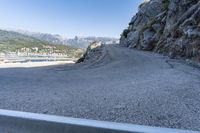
(126, 86)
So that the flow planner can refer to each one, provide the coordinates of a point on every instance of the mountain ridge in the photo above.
(78, 42)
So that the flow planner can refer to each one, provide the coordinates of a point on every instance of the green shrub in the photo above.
(125, 33)
(165, 5)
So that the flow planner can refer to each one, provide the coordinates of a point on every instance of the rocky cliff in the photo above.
(93, 54)
(170, 27)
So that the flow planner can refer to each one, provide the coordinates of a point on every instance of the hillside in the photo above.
(169, 27)
(13, 43)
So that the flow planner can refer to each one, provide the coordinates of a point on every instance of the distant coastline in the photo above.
(34, 61)
(33, 64)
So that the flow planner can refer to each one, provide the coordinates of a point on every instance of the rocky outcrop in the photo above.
(170, 27)
(93, 53)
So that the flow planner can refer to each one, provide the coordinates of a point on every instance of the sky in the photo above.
(102, 18)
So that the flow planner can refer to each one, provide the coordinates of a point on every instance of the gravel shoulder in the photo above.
(125, 86)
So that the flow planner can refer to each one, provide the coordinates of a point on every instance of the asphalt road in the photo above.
(126, 86)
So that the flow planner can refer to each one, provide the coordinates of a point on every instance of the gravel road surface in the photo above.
(126, 86)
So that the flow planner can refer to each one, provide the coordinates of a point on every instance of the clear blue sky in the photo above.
(69, 17)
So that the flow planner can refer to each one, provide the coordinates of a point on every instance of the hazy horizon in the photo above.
(39, 32)
(99, 18)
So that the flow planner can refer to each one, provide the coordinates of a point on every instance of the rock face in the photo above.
(92, 54)
(170, 27)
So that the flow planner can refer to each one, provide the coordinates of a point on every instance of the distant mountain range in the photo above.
(84, 42)
(79, 42)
